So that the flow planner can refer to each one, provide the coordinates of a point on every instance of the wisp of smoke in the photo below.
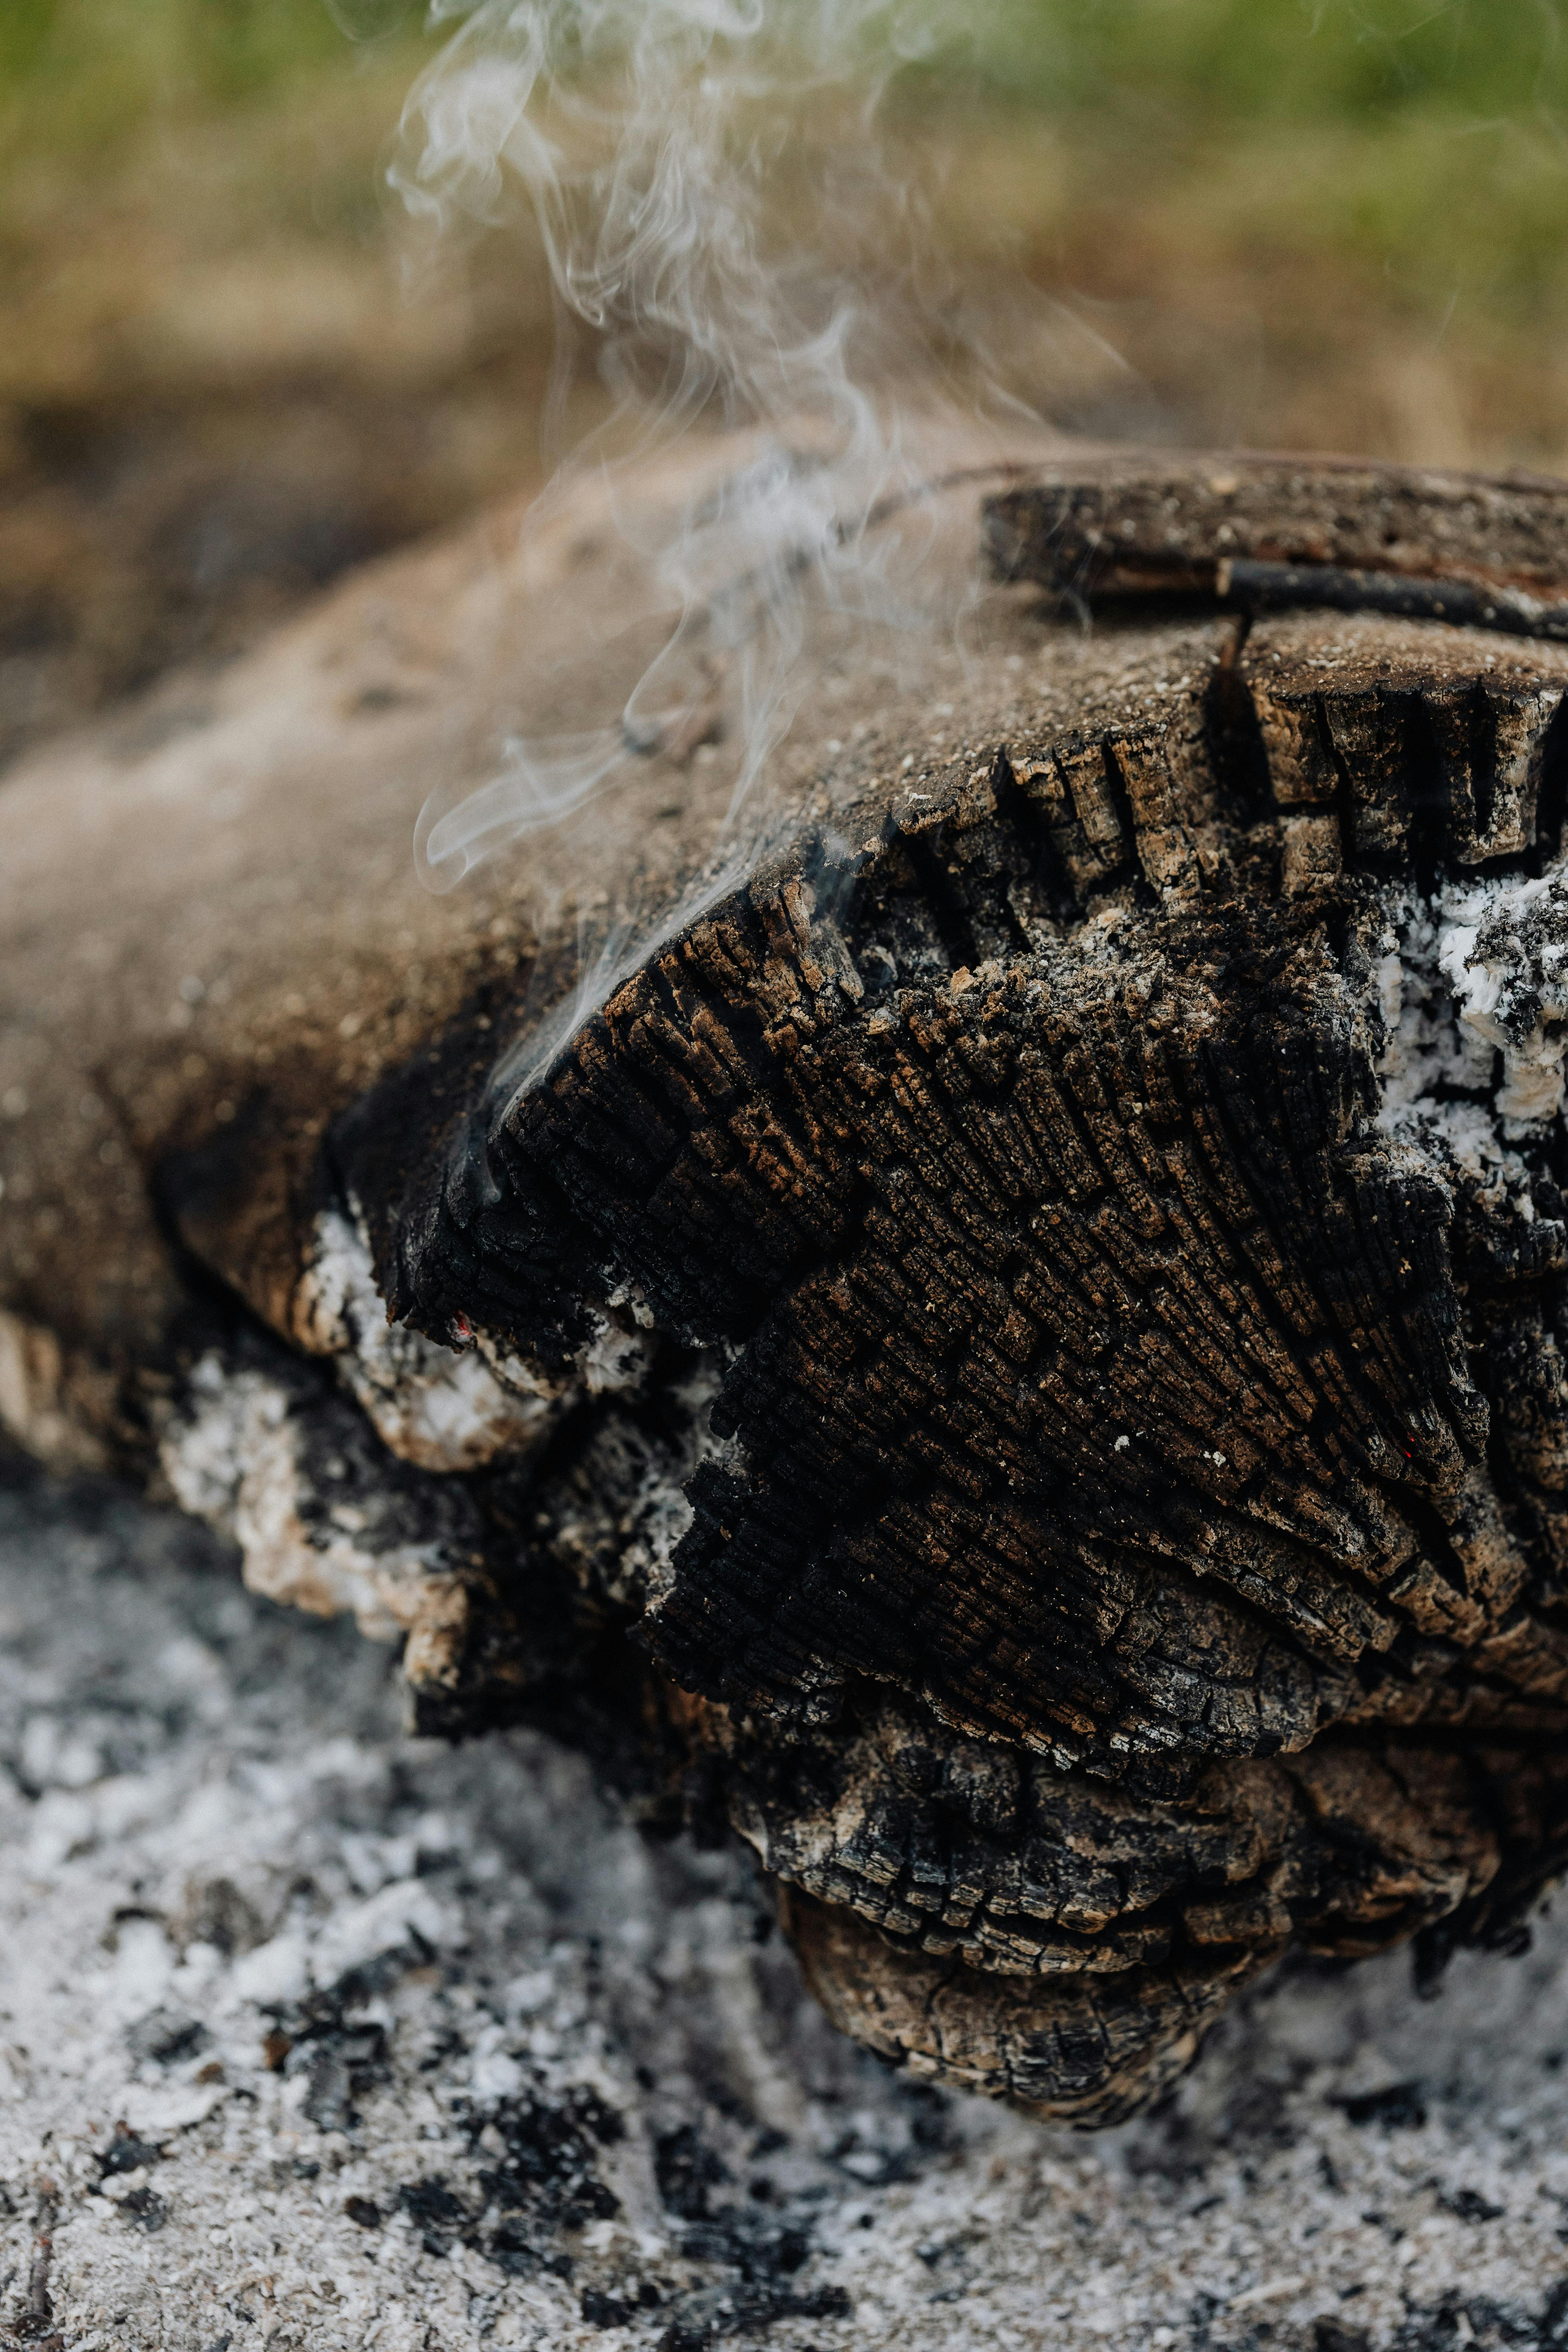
(715, 209)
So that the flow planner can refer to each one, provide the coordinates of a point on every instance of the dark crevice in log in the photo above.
(1483, 762)
(948, 920)
(1234, 740)
(1427, 792)
(1144, 885)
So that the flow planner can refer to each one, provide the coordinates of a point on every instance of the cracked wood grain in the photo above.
(1033, 1326)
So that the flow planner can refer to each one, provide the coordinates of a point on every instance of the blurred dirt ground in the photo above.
(230, 366)
(220, 385)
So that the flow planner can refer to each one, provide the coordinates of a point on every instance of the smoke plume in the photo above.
(724, 229)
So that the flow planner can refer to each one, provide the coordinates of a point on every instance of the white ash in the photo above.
(615, 1361)
(219, 1834)
(266, 1461)
(1505, 949)
(1476, 971)
(451, 1408)
(327, 1521)
(440, 1408)
(629, 1507)
(1428, 1047)
(265, 1456)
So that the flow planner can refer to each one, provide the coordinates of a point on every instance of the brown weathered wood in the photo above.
(1124, 524)
(1015, 1360)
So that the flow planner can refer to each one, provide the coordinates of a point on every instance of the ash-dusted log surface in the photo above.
(1010, 1351)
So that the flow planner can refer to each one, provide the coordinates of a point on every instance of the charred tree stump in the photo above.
(1016, 1360)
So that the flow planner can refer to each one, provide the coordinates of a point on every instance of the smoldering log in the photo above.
(1124, 524)
(1014, 1357)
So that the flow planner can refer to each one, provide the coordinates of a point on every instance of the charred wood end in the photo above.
(1019, 1361)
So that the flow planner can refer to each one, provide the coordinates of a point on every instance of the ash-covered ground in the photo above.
(314, 2036)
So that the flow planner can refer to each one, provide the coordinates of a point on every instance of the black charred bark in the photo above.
(1088, 1501)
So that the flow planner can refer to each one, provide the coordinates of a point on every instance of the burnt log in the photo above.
(1011, 1352)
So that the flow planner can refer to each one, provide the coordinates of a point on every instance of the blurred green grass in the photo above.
(219, 384)
(1263, 60)
(93, 71)
(1426, 142)
(1303, 223)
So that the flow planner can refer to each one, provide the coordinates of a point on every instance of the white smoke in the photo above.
(718, 211)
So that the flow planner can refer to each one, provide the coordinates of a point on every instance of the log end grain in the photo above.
(1015, 1357)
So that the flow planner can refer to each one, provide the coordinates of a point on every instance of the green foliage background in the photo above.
(91, 70)
(1301, 224)
(1428, 140)
(1298, 224)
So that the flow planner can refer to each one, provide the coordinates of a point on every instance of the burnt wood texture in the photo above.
(1029, 1331)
